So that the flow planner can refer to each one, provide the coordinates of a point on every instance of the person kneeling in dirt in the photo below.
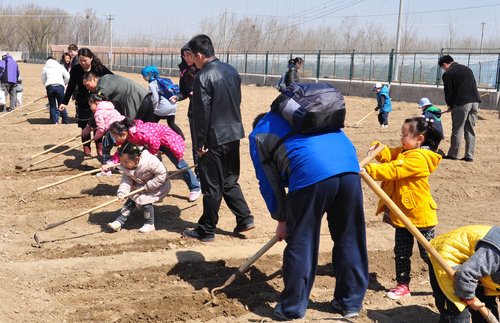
(319, 180)
(140, 169)
(474, 251)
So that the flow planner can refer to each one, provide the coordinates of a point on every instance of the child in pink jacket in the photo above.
(104, 115)
(158, 137)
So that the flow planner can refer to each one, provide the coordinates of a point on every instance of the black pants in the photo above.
(171, 123)
(219, 173)
(146, 109)
(403, 249)
(450, 313)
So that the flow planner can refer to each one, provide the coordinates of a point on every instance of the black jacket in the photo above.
(216, 105)
(459, 86)
(292, 76)
(186, 81)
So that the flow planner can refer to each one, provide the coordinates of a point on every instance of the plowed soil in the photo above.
(84, 273)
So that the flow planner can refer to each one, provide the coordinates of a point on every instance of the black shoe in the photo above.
(2, 108)
(450, 157)
(193, 234)
(467, 159)
(9, 109)
(244, 227)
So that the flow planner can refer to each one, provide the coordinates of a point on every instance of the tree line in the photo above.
(34, 28)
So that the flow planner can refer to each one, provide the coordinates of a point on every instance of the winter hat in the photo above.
(151, 72)
(423, 102)
(377, 85)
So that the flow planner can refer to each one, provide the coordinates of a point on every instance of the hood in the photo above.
(151, 72)
(384, 90)
(184, 48)
(105, 105)
(51, 63)
(7, 56)
(435, 111)
(433, 159)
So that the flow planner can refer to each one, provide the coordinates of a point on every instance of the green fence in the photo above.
(413, 68)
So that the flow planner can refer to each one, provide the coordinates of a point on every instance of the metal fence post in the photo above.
(246, 61)
(498, 74)
(351, 68)
(318, 65)
(267, 62)
(438, 68)
(227, 57)
(391, 63)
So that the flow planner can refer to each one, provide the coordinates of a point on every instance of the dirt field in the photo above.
(84, 273)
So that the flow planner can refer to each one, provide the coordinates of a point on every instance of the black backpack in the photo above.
(309, 108)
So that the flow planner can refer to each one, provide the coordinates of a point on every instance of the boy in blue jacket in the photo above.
(319, 180)
(384, 104)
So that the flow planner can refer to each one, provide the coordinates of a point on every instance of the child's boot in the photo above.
(401, 290)
(86, 150)
(99, 149)
(115, 226)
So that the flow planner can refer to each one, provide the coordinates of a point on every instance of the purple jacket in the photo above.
(12, 69)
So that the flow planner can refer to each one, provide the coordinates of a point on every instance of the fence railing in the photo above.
(414, 68)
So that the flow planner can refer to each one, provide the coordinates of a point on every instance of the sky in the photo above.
(431, 18)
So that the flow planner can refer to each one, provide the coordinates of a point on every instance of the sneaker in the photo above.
(106, 173)
(338, 308)
(401, 290)
(194, 195)
(243, 227)
(278, 312)
(86, 151)
(9, 109)
(115, 226)
(193, 234)
(146, 228)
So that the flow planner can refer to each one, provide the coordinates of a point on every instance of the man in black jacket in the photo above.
(217, 130)
(462, 98)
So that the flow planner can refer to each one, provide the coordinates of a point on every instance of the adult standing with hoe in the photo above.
(88, 63)
(462, 98)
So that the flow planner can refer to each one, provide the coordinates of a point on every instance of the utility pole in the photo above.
(225, 27)
(482, 35)
(398, 41)
(110, 54)
(88, 26)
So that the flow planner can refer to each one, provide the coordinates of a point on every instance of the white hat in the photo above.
(423, 102)
(378, 85)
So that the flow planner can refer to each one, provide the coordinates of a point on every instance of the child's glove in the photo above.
(377, 108)
(120, 197)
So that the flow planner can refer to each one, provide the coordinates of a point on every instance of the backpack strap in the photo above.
(277, 145)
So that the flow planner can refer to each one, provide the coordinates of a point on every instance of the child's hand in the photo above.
(120, 197)
(62, 107)
(173, 98)
(86, 131)
(372, 148)
(475, 303)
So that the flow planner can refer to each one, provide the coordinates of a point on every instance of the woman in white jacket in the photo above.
(55, 77)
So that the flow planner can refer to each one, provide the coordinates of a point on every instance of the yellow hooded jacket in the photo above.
(404, 176)
(456, 247)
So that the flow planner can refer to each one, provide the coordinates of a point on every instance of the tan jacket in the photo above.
(151, 173)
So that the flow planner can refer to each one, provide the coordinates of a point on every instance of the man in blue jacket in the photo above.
(9, 74)
(321, 173)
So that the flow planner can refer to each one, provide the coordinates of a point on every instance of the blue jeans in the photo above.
(55, 94)
(188, 175)
(108, 141)
(341, 198)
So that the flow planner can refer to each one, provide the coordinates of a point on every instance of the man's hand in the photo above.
(202, 151)
(281, 231)
(474, 303)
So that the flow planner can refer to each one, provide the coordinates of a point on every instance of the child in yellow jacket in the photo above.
(404, 173)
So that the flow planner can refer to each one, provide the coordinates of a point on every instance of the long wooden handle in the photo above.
(50, 226)
(52, 148)
(73, 177)
(416, 233)
(23, 106)
(363, 118)
(34, 111)
(62, 152)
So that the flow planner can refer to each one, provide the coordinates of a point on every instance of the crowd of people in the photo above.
(299, 180)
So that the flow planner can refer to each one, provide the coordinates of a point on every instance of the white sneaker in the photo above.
(106, 173)
(115, 226)
(194, 195)
(146, 228)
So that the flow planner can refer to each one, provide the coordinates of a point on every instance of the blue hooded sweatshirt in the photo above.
(384, 91)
